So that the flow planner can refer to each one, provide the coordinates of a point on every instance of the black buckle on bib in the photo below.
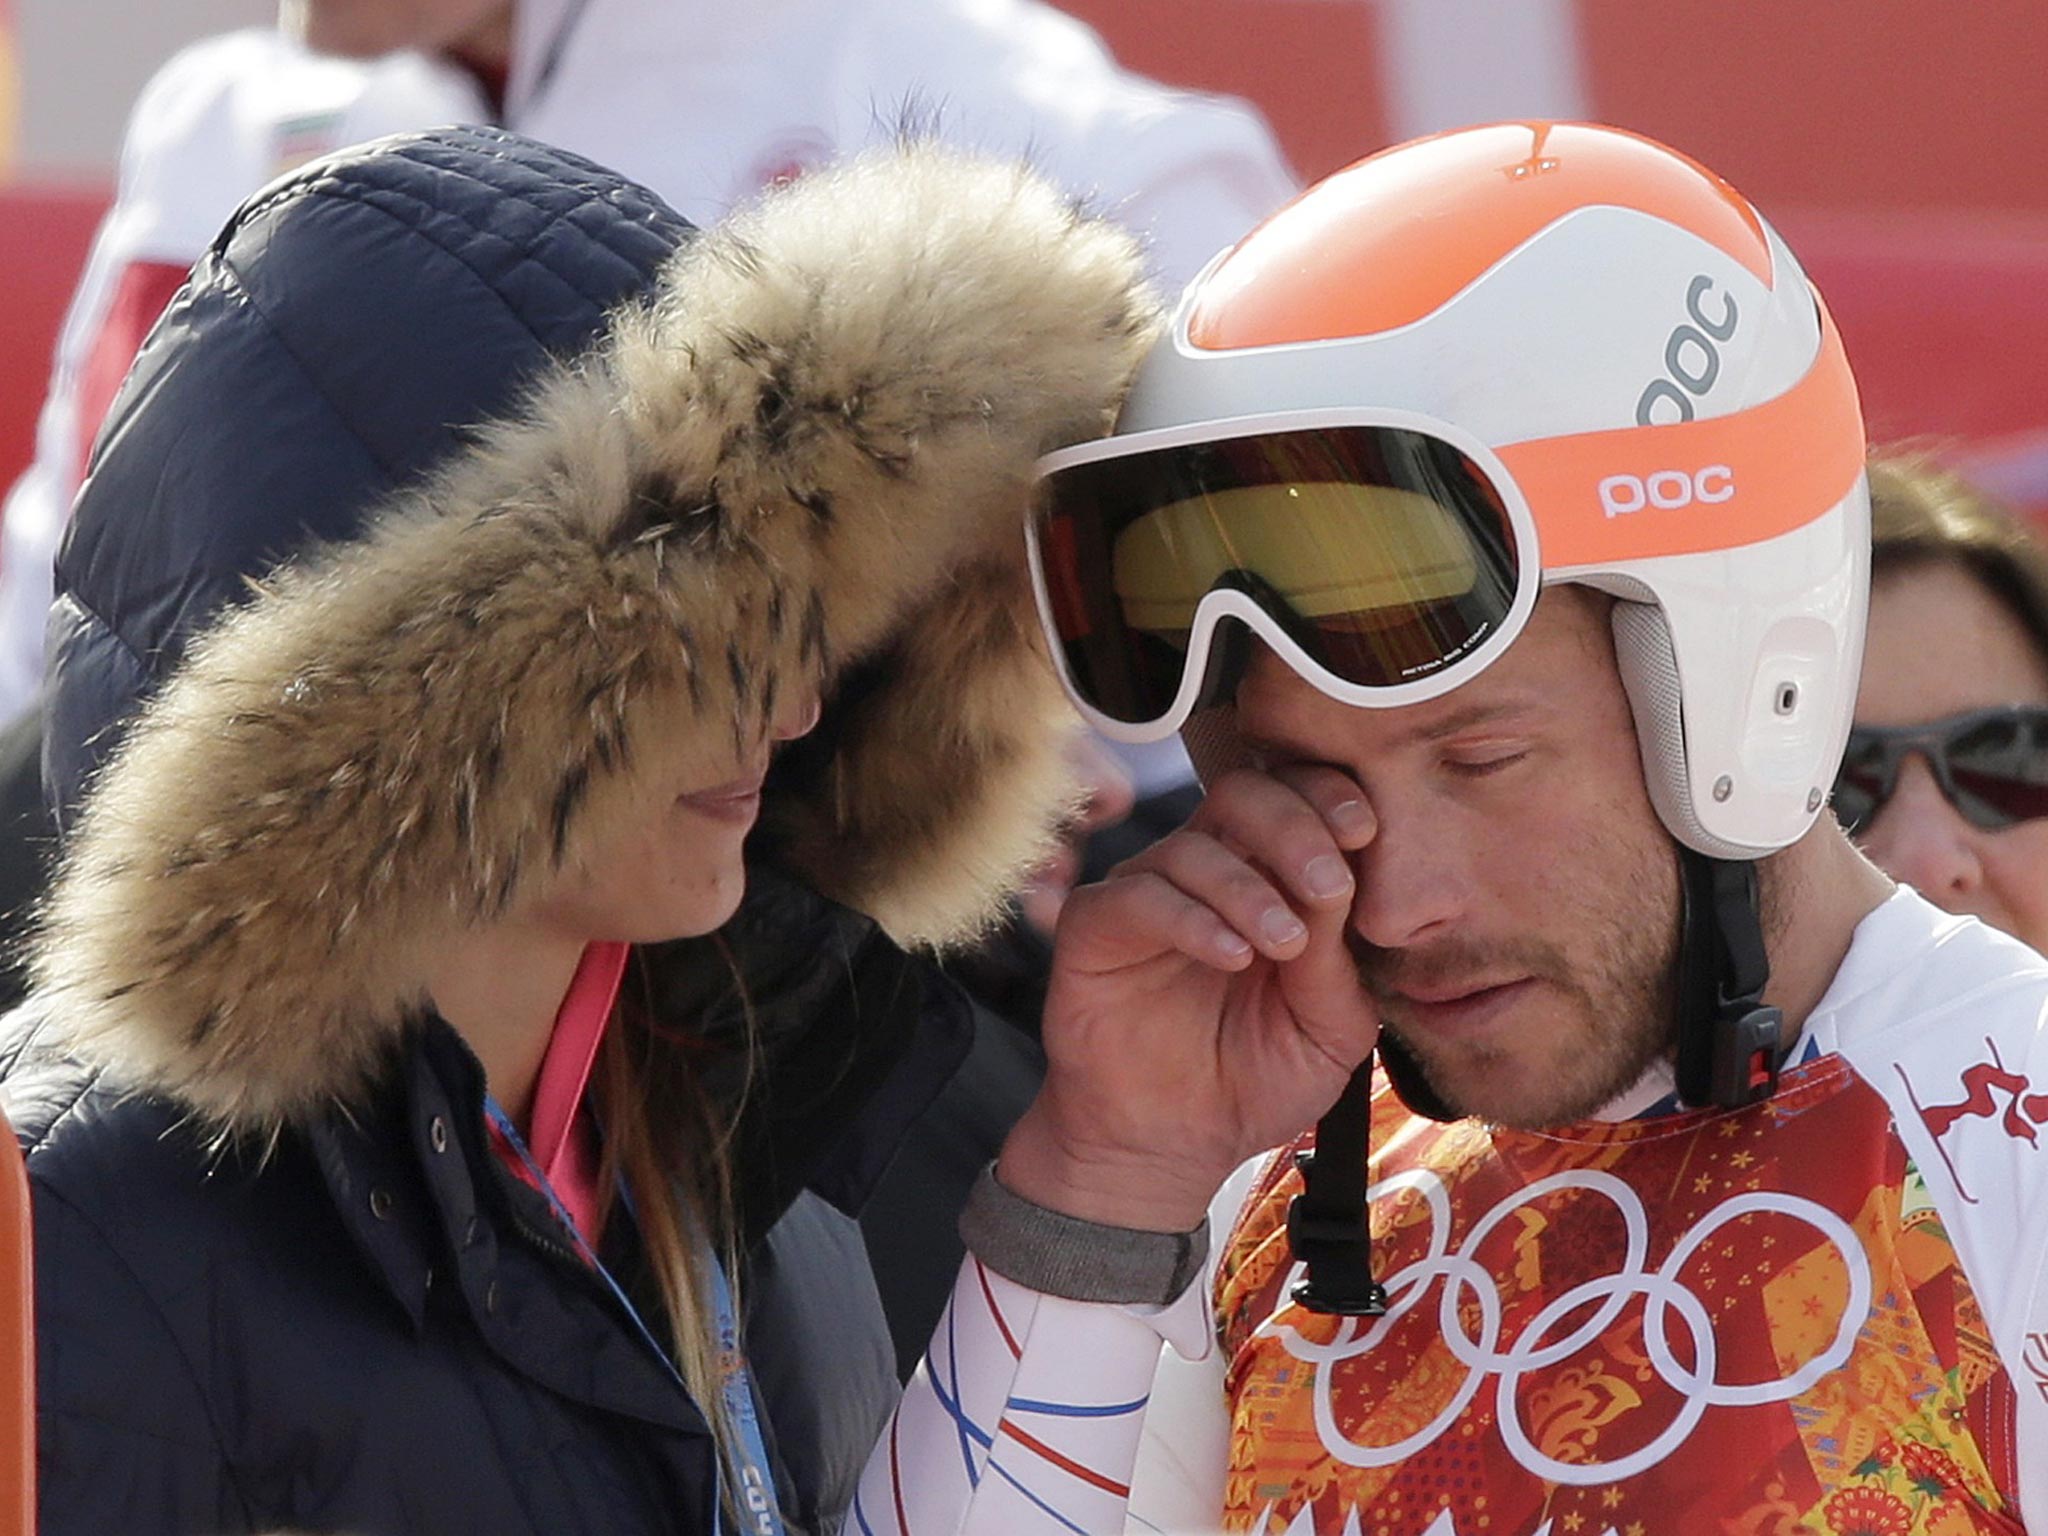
(1326, 1222)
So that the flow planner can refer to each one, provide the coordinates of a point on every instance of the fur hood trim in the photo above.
(812, 448)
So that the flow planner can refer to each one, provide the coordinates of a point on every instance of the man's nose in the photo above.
(1409, 886)
(1923, 840)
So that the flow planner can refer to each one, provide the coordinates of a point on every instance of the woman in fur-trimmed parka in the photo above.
(422, 1051)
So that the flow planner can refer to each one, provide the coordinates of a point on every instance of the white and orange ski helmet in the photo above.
(1456, 371)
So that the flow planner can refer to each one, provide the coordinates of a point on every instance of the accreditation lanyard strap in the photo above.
(748, 1460)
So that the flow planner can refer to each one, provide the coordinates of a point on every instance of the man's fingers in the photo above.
(1285, 832)
(1140, 915)
(1337, 798)
(1229, 885)
(1326, 994)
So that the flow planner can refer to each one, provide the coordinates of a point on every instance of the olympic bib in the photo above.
(1711, 1322)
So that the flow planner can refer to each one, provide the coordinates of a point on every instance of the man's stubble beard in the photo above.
(1615, 1004)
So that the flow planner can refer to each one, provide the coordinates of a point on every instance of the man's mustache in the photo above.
(1391, 974)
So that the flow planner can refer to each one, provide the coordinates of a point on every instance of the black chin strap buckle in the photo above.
(1745, 1057)
(1730, 1042)
(1326, 1222)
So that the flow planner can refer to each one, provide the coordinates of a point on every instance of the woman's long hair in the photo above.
(669, 1142)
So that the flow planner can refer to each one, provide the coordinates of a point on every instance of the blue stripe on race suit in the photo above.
(1004, 1473)
(1078, 1410)
(963, 1426)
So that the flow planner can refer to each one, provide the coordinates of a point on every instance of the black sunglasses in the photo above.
(1992, 764)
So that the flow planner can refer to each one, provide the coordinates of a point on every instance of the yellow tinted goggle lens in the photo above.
(1384, 553)
(1330, 551)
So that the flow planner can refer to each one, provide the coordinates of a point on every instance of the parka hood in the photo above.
(804, 462)
(339, 338)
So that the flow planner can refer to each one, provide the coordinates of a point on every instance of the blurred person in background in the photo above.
(423, 1037)
(1945, 780)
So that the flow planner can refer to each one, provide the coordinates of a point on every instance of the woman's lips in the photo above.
(737, 800)
(1463, 1009)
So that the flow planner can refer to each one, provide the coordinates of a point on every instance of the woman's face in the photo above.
(676, 871)
(1941, 644)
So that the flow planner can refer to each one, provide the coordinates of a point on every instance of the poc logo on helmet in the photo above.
(1692, 358)
(1668, 489)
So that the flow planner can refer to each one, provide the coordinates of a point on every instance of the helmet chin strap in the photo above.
(1327, 1227)
(1729, 1052)
(1326, 1223)
(1729, 1040)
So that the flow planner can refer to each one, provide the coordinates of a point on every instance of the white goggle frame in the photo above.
(1222, 602)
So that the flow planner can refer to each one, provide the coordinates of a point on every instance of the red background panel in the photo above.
(44, 235)
(1881, 104)
(1948, 319)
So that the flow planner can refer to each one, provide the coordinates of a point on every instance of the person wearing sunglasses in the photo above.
(1945, 778)
(1492, 524)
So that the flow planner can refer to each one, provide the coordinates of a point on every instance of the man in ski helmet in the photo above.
(1491, 523)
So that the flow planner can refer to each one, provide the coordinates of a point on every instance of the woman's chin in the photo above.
(637, 905)
(720, 911)
(706, 907)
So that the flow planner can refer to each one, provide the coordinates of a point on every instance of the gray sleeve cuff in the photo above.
(1059, 1255)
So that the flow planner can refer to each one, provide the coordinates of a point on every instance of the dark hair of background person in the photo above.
(1922, 513)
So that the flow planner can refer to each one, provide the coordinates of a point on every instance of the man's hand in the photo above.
(1203, 1004)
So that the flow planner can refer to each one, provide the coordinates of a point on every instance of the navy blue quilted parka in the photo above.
(512, 547)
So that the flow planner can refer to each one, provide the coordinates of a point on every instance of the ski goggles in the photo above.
(1991, 765)
(1386, 556)
(1385, 561)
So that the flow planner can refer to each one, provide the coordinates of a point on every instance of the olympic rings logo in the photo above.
(1662, 1295)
